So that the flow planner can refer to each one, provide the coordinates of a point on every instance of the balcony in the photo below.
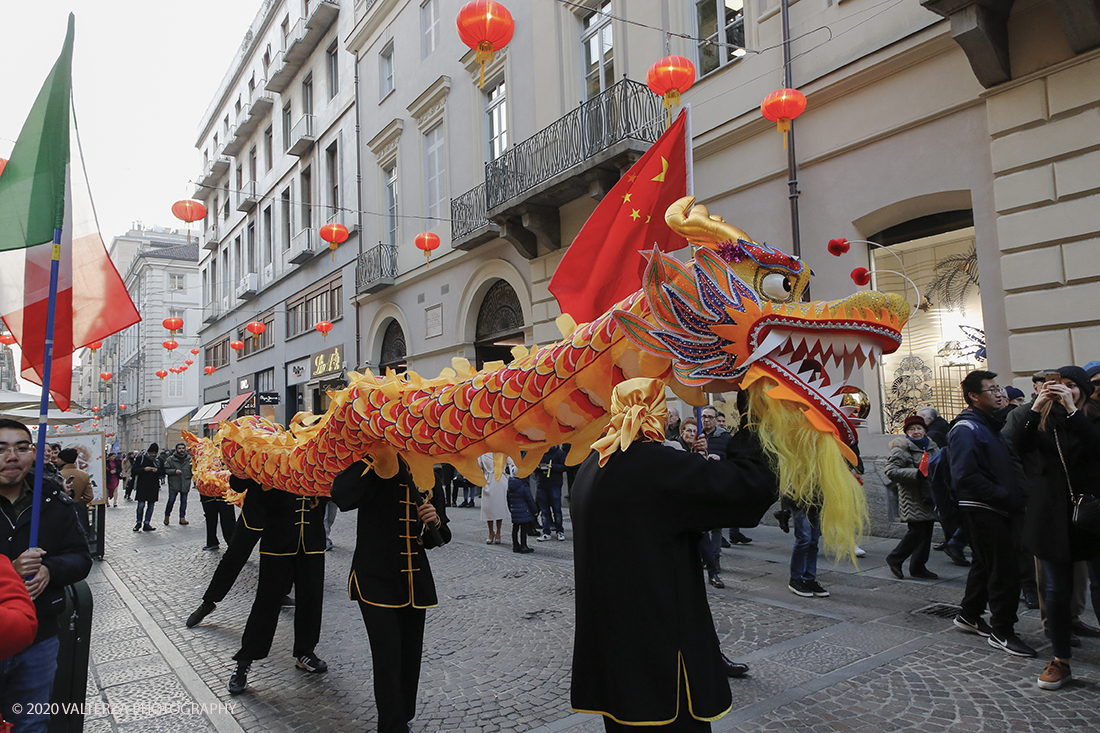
(280, 75)
(215, 169)
(584, 152)
(301, 137)
(211, 238)
(303, 247)
(260, 104)
(248, 197)
(321, 16)
(377, 269)
(248, 286)
(238, 136)
(469, 225)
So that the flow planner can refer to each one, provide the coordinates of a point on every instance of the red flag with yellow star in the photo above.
(604, 264)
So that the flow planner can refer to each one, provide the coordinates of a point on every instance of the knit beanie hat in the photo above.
(68, 455)
(1013, 393)
(1092, 369)
(915, 420)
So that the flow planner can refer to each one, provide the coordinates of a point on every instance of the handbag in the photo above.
(1086, 507)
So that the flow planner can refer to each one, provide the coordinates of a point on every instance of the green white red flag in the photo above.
(43, 188)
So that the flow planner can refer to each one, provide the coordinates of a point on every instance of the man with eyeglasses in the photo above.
(61, 558)
(991, 502)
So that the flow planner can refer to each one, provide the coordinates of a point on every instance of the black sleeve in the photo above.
(444, 531)
(349, 488)
(67, 554)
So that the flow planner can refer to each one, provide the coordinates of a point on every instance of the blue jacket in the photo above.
(982, 468)
(554, 462)
(520, 502)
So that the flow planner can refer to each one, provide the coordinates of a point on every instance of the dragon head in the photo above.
(733, 318)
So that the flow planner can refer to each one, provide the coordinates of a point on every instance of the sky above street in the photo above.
(144, 71)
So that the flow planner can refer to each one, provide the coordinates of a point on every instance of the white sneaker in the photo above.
(544, 538)
(860, 552)
(561, 536)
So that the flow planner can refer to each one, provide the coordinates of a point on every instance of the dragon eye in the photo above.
(776, 286)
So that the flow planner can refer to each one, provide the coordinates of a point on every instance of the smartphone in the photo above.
(1054, 377)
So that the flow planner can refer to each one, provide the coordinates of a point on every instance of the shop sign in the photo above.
(268, 398)
(298, 372)
(329, 361)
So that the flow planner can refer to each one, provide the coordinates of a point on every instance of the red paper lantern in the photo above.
(427, 242)
(188, 362)
(195, 352)
(839, 246)
(324, 327)
(105, 376)
(188, 210)
(7, 339)
(170, 344)
(781, 107)
(95, 425)
(334, 234)
(255, 328)
(78, 428)
(161, 373)
(95, 346)
(669, 78)
(209, 369)
(861, 276)
(236, 345)
(173, 324)
(95, 409)
(122, 407)
(485, 26)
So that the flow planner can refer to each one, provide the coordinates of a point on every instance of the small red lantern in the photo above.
(122, 407)
(161, 373)
(170, 344)
(485, 26)
(195, 352)
(105, 376)
(324, 327)
(236, 345)
(7, 339)
(256, 328)
(669, 78)
(173, 324)
(334, 234)
(95, 409)
(209, 369)
(188, 210)
(839, 246)
(861, 276)
(78, 428)
(95, 346)
(95, 425)
(188, 362)
(781, 107)
(427, 241)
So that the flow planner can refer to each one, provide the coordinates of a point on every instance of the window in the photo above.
(225, 124)
(306, 182)
(269, 135)
(285, 28)
(286, 217)
(307, 95)
(217, 353)
(206, 285)
(223, 286)
(385, 71)
(496, 110)
(268, 235)
(214, 281)
(225, 208)
(288, 125)
(332, 61)
(215, 143)
(251, 246)
(265, 380)
(236, 109)
(721, 23)
(254, 343)
(176, 281)
(238, 260)
(205, 158)
(322, 302)
(175, 385)
(389, 175)
(240, 178)
(252, 172)
(597, 47)
(429, 27)
(435, 172)
(332, 164)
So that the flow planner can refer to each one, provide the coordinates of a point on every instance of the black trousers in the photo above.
(216, 510)
(994, 577)
(277, 573)
(916, 544)
(396, 644)
(236, 555)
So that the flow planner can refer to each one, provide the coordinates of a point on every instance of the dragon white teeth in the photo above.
(772, 341)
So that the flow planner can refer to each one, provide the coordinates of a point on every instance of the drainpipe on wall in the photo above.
(359, 212)
(792, 162)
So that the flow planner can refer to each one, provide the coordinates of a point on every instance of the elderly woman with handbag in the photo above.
(1058, 445)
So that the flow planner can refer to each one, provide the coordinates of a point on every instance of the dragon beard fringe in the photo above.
(812, 471)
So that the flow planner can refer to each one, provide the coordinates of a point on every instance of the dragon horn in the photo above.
(695, 224)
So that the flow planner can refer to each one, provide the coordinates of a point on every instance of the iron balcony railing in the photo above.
(625, 111)
(376, 265)
(468, 213)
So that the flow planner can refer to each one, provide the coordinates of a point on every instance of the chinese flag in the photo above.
(923, 467)
(603, 265)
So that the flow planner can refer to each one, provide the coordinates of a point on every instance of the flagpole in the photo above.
(44, 405)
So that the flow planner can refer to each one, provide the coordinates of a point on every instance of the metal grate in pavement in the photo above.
(939, 610)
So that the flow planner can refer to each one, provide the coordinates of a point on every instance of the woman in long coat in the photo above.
(494, 495)
(914, 501)
(1058, 446)
(147, 471)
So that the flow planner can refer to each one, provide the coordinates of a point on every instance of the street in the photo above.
(875, 656)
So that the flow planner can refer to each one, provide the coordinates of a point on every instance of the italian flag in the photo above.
(44, 198)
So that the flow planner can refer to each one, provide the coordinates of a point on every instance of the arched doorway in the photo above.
(393, 353)
(499, 324)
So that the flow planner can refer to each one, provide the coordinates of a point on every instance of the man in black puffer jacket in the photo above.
(991, 500)
(60, 558)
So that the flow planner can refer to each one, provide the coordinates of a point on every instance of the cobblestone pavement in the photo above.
(498, 648)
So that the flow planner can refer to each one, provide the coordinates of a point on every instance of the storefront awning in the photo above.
(207, 411)
(173, 415)
(232, 406)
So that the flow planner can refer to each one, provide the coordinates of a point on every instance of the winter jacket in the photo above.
(718, 441)
(147, 483)
(82, 490)
(172, 463)
(552, 468)
(903, 468)
(60, 534)
(17, 617)
(981, 465)
(521, 503)
(1048, 532)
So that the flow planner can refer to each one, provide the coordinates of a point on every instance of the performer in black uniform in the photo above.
(652, 588)
(292, 550)
(391, 580)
